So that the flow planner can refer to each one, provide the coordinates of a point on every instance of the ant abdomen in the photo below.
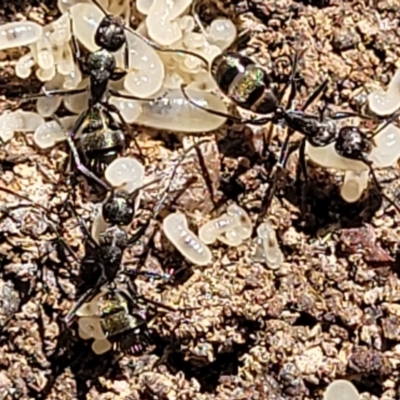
(245, 83)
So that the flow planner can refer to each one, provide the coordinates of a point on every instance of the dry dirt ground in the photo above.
(332, 310)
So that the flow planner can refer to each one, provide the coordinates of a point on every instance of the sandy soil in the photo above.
(331, 311)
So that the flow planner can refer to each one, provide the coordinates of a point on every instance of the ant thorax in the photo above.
(101, 64)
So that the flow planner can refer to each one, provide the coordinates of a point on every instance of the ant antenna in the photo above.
(197, 19)
(174, 172)
(387, 122)
(255, 121)
(46, 211)
(150, 42)
(162, 50)
(102, 9)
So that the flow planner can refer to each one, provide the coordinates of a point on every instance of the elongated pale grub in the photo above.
(354, 184)
(48, 134)
(144, 6)
(46, 75)
(222, 32)
(174, 113)
(161, 23)
(146, 76)
(101, 346)
(209, 232)
(65, 5)
(341, 389)
(18, 121)
(89, 327)
(85, 20)
(24, 66)
(245, 226)
(382, 102)
(59, 31)
(176, 229)
(130, 109)
(268, 249)
(79, 102)
(231, 228)
(47, 106)
(125, 173)
(43, 53)
(19, 34)
(387, 150)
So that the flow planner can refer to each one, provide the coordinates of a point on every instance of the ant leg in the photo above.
(82, 225)
(302, 159)
(257, 121)
(175, 170)
(163, 50)
(293, 87)
(206, 175)
(302, 170)
(126, 56)
(87, 296)
(137, 296)
(266, 202)
(113, 108)
(100, 7)
(76, 49)
(66, 246)
(74, 151)
(52, 93)
(344, 115)
(82, 168)
(267, 140)
(386, 123)
(115, 93)
(317, 92)
(379, 186)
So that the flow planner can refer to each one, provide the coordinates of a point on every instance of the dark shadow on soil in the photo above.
(227, 363)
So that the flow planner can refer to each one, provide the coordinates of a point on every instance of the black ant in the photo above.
(98, 136)
(250, 87)
(108, 258)
(118, 211)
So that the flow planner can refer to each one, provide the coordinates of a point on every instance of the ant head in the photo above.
(119, 208)
(323, 135)
(110, 34)
(352, 143)
(101, 64)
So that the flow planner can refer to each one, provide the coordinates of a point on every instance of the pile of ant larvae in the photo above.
(356, 173)
(231, 228)
(151, 74)
(105, 316)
